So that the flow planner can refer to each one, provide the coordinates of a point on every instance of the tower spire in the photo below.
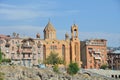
(49, 20)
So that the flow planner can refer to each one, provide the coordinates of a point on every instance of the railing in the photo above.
(27, 51)
(26, 46)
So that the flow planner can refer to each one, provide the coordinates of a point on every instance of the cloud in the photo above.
(11, 14)
(17, 12)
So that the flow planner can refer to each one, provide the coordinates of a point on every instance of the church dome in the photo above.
(49, 27)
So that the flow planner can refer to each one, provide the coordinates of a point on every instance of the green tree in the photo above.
(104, 66)
(53, 59)
(73, 68)
(0, 55)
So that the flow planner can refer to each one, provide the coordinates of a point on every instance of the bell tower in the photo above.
(75, 45)
(74, 31)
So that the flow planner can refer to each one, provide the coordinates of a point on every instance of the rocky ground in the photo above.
(23, 73)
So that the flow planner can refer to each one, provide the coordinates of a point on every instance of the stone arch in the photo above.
(87, 73)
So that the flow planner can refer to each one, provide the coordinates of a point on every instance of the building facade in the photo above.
(29, 51)
(22, 51)
(114, 59)
(93, 53)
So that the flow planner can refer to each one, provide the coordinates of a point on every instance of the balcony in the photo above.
(7, 45)
(27, 57)
(27, 51)
(97, 57)
(26, 46)
(97, 52)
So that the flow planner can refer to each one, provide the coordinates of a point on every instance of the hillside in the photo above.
(23, 73)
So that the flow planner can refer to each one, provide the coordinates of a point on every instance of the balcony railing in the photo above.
(26, 46)
(27, 51)
(97, 57)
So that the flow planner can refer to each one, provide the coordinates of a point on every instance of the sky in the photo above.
(96, 19)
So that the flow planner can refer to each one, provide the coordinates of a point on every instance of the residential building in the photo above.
(93, 53)
(114, 59)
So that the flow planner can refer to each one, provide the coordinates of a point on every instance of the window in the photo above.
(18, 55)
(63, 52)
(53, 47)
(34, 56)
(12, 56)
(12, 41)
(12, 48)
(91, 67)
(23, 55)
(38, 55)
(89, 49)
(28, 55)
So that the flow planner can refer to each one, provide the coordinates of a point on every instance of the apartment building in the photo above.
(114, 59)
(93, 53)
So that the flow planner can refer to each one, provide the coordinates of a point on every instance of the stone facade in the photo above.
(94, 53)
(68, 49)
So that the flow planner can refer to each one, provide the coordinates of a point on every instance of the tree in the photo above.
(104, 66)
(14, 34)
(53, 59)
(55, 68)
(73, 68)
(0, 55)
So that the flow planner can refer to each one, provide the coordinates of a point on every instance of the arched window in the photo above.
(75, 33)
(76, 50)
(12, 48)
(63, 52)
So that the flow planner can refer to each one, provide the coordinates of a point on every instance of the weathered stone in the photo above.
(23, 73)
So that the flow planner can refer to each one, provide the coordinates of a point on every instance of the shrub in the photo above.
(55, 68)
(6, 60)
(53, 59)
(2, 76)
(0, 56)
(104, 66)
(73, 68)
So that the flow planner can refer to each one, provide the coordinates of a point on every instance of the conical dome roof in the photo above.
(49, 27)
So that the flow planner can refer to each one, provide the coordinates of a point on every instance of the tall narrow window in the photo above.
(63, 52)
(28, 55)
(12, 48)
(23, 55)
(76, 50)
(44, 52)
(38, 55)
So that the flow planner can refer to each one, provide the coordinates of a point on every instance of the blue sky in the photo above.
(95, 18)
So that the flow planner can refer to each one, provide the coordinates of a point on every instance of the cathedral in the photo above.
(68, 49)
